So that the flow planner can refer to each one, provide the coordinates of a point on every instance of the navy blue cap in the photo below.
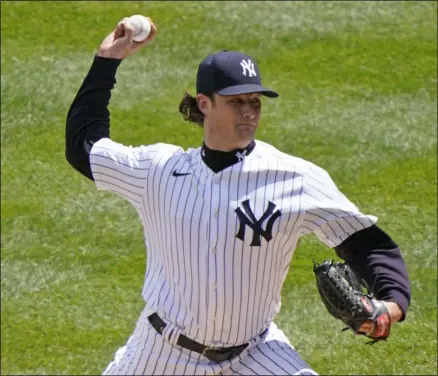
(230, 73)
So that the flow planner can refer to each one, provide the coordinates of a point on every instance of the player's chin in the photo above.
(246, 130)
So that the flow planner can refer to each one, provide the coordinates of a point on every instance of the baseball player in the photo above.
(221, 223)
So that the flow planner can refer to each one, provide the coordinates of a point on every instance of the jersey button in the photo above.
(216, 213)
(214, 286)
(214, 250)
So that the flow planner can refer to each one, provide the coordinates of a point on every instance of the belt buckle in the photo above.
(204, 352)
(220, 355)
(216, 355)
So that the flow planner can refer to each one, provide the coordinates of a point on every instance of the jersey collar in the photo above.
(219, 160)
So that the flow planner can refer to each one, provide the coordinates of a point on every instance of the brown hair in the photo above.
(190, 110)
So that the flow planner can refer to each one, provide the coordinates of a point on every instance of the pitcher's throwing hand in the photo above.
(120, 44)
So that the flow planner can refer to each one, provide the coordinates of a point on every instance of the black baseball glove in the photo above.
(342, 293)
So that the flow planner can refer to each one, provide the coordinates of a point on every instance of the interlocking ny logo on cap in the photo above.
(248, 66)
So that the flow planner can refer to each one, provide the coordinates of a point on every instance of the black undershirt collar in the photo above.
(219, 160)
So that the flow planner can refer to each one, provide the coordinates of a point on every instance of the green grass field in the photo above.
(358, 96)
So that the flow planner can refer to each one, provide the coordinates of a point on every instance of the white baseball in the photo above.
(141, 26)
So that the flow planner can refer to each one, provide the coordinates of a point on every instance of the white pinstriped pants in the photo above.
(148, 353)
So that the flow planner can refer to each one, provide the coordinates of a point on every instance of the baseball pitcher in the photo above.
(221, 223)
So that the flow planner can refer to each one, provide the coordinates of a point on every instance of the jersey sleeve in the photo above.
(124, 169)
(328, 213)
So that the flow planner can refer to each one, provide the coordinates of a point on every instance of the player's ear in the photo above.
(204, 103)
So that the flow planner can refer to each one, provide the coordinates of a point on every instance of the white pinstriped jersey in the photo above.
(219, 245)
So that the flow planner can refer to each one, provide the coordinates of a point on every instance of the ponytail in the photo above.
(190, 110)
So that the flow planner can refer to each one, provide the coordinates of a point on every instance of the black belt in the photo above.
(216, 355)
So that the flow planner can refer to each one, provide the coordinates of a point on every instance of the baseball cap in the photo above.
(230, 73)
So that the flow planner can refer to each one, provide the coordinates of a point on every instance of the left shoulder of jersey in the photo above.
(265, 150)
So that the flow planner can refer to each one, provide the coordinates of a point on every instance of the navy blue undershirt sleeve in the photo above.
(377, 259)
(88, 119)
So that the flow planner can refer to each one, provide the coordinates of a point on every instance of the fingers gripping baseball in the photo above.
(119, 44)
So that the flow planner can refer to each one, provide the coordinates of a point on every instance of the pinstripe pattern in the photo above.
(147, 353)
(201, 278)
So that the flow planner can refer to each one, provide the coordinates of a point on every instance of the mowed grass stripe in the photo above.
(61, 315)
(258, 23)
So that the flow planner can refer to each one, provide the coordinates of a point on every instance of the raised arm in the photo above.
(88, 119)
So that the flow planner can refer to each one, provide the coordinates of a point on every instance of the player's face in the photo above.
(232, 120)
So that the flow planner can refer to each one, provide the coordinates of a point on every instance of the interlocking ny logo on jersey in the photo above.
(250, 220)
(248, 66)
(241, 156)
